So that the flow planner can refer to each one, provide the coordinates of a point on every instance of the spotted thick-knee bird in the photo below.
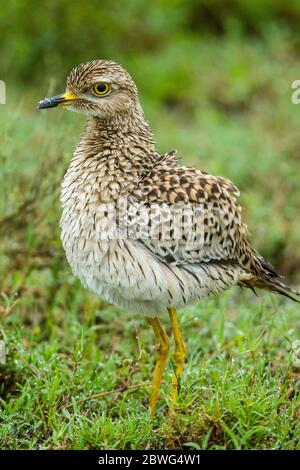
(140, 230)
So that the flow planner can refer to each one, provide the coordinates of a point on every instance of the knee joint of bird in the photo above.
(180, 347)
(164, 346)
(179, 356)
(183, 347)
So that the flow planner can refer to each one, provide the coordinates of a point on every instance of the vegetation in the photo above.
(215, 83)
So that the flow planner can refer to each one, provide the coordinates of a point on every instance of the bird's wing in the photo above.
(189, 216)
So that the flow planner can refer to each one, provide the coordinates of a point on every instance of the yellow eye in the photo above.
(101, 88)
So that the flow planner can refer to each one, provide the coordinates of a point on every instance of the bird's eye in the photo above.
(101, 88)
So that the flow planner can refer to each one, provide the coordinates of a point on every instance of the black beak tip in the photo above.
(54, 101)
(43, 104)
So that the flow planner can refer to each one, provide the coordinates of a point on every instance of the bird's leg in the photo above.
(163, 342)
(178, 356)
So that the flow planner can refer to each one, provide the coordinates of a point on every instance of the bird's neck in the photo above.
(114, 154)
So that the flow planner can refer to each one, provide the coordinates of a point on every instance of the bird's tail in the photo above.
(278, 287)
(271, 281)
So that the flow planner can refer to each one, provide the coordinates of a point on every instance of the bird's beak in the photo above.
(64, 99)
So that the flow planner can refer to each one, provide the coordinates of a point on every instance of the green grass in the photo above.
(78, 378)
(77, 370)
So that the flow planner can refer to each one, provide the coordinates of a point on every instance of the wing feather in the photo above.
(211, 229)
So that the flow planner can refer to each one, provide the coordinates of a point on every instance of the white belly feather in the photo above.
(125, 273)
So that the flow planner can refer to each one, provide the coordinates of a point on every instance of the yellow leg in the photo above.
(163, 342)
(178, 356)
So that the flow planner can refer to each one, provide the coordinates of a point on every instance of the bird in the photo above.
(142, 231)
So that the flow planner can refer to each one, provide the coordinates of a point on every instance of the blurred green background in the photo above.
(215, 82)
(46, 39)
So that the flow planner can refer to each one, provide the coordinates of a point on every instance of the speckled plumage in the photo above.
(116, 163)
(140, 230)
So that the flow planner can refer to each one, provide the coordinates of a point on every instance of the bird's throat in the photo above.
(113, 155)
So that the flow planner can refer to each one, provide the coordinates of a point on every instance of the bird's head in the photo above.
(98, 88)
